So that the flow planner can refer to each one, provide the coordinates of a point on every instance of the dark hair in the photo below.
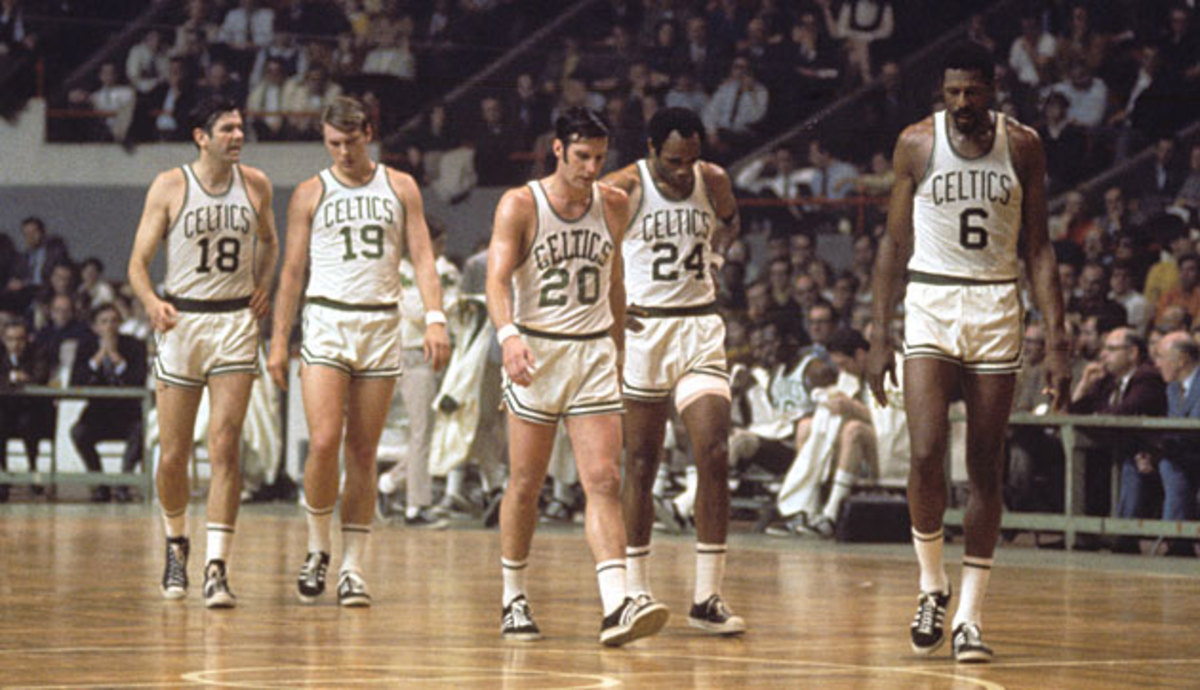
(1136, 341)
(41, 225)
(1057, 97)
(1193, 258)
(346, 114)
(209, 110)
(99, 309)
(668, 120)
(93, 261)
(969, 56)
(847, 341)
(580, 123)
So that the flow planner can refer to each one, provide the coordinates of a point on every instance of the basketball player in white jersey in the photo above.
(556, 296)
(349, 226)
(216, 219)
(969, 192)
(675, 349)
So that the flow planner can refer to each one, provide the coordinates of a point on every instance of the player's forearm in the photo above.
(264, 263)
(499, 302)
(1046, 292)
(429, 285)
(139, 280)
(884, 287)
(617, 300)
(287, 298)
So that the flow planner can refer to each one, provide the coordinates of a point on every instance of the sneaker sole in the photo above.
(174, 594)
(733, 626)
(220, 601)
(645, 625)
(308, 598)
(976, 656)
(521, 637)
(926, 651)
(355, 602)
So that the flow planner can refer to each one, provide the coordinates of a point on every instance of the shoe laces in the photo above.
(351, 582)
(928, 613)
(517, 615)
(717, 608)
(314, 567)
(176, 564)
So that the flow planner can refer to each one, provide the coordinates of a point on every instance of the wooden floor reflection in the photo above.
(81, 609)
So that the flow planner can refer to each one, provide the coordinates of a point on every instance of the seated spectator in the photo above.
(1152, 107)
(248, 27)
(304, 98)
(1158, 189)
(1121, 284)
(1164, 275)
(163, 113)
(147, 63)
(829, 177)
(706, 58)
(1118, 215)
(494, 145)
(1070, 226)
(1170, 463)
(665, 56)
(284, 49)
(23, 363)
(813, 65)
(1086, 96)
(62, 327)
(41, 254)
(93, 288)
(530, 111)
(1032, 54)
(394, 56)
(1034, 478)
(1187, 293)
(1189, 191)
(112, 99)
(265, 105)
(220, 82)
(106, 358)
(773, 176)
(1065, 144)
(738, 104)
(1093, 298)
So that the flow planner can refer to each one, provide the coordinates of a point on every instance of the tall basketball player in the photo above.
(556, 296)
(970, 190)
(215, 216)
(675, 350)
(349, 225)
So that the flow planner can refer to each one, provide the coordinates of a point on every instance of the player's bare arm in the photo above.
(512, 234)
(163, 202)
(291, 278)
(420, 250)
(720, 192)
(1030, 160)
(267, 253)
(616, 213)
(908, 162)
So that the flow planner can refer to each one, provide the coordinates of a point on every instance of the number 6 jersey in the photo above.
(357, 241)
(666, 247)
(210, 246)
(967, 211)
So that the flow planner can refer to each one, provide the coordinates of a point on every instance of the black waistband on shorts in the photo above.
(562, 336)
(210, 306)
(935, 279)
(669, 312)
(347, 306)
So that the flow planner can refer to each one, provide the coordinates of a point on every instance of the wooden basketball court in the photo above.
(81, 608)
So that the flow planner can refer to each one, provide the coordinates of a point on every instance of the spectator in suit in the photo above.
(1065, 143)
(1173, 462)
(63, 325)
(163, 112)
(23, 364)
(106, 358)
(1123, 382)
(1093, 298)
(41, 253)
(738, 104)
(266, 102)
(705, 59)
(1159, 188)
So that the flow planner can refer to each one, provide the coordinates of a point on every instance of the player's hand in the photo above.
(437, 345)
(880, 362)
(518, 361)
(260, 303)
(162, 315)
(1058, 379)
(277, 364)
(633, 324)
(838, 403)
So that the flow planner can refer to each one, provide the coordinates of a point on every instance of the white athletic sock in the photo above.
(319, 520)
(562, 493)
(388, 483)
(514, 579)
(637, 570)
(176, 523)
(710, 571)
(220, 538)
(843, 482)
(975, 574)
(611, 576)
(454, 481)
(929, 555)
(354, 547)
(412, 512)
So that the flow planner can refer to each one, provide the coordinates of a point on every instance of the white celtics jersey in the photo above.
(357, 241)
(967, 211)
(210, 245)
(562, 284)
(666, 248)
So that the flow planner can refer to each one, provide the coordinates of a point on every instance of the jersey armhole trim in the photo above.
(320, 200)
(641, 199)
(403, 211)
(246, 189)
(537, 228)
(187, 189)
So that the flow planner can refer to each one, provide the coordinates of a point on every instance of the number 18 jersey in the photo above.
(210, 246)
(967, 211)
(356, 242)
(666, 247)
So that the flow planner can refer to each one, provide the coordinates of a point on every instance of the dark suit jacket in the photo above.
(1145, 395)
(17, 412)
(134, 374)
(35, 362)
(1180, 445)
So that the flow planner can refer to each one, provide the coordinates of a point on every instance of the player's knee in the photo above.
(224, 441)
(601, 481)
(323, 444)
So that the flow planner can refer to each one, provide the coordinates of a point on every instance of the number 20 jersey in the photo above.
(356, 242)
(967, 211)
(210, 245)
(666, 247)
(562, 284)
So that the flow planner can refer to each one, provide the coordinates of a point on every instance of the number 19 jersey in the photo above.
(666, 247)
(210, 246)
(356, 242)
(967, 211)
(562, 284)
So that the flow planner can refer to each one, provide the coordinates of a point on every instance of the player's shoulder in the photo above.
(517, 203)
(918, 134)
(627, 179)
(169, 181)
(255, 176)
(1021, 137)
(399, 179)
(714, 175)
(310, 190)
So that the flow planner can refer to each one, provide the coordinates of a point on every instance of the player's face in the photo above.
(225, 142)
(347, 149)
(967, 96)
(580, 162)
(675, 162)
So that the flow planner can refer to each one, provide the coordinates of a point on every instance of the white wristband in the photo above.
(507, 332)
(432, 317)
